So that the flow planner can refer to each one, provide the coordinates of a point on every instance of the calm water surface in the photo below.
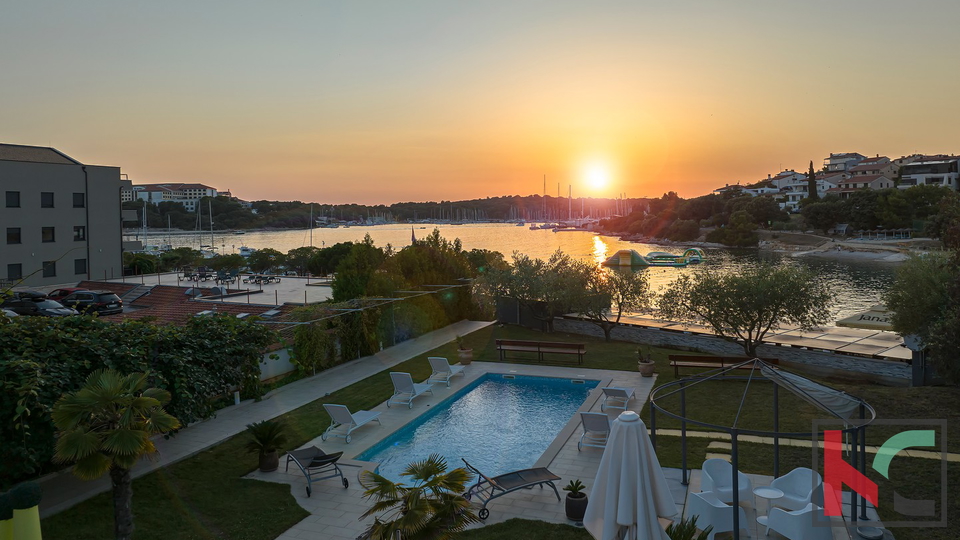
(857, 284)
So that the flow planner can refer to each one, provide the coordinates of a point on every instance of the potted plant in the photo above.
(266, 438)
(576, 504)
(465, 354)
(645, 362)
(686, 529)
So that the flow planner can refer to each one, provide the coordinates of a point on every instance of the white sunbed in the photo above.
(404, 389)
(340, 416)
(616, 397)
(596, 429)
(442, 370)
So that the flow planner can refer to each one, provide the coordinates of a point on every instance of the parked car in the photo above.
(102, 302)
(21, 295)
(60, 294)
(41, 307)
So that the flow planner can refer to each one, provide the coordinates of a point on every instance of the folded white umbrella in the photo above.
(629, 492)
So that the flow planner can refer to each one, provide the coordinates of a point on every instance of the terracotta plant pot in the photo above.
(269, 461)
(646, 368)
(465, 356)
(576, 506)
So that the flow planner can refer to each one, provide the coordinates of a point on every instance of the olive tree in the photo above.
(744, 306)
(925, 301)
(610, 293)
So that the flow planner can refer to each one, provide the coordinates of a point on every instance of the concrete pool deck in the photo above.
(335, 511)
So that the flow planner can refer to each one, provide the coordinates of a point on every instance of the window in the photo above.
(79, 200)
(79, 233)
(13, 199)
(48, 234)
(49, 268)
(46, 199)
(79, 266)
(14, 271)
(13, 235)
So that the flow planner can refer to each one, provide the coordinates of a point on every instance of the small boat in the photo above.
(521, 224)
(534, 227)
(239, 232)
(246, 251)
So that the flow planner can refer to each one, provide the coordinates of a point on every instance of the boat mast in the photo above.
(311, 224)
(210, 211)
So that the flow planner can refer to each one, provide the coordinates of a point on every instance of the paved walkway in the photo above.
(63, 490)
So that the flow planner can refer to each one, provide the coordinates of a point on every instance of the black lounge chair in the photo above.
(487, 489)
(314, 462)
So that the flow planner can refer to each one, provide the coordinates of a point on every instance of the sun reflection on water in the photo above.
(599, 250)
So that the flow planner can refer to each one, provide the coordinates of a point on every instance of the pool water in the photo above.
(499, 423)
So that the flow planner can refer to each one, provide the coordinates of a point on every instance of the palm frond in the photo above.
(76, 444)
(92, 467)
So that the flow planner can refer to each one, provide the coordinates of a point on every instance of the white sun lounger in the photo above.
(616, 397)
(404, 389)
(442, 370)
(596, 429)
(340, 416)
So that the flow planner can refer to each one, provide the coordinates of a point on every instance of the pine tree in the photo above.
(812, 183)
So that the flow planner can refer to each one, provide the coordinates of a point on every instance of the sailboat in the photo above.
(208, 251)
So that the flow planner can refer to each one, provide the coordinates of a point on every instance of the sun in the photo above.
(597, 175)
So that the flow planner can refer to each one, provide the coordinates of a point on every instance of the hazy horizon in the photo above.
(429, 100)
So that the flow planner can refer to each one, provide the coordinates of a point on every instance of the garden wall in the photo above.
(812, 362)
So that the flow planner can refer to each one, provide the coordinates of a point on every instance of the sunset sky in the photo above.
(378, 102)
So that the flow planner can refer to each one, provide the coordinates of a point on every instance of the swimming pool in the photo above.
(499, 423)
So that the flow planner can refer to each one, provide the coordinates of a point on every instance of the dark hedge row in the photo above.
(41, 359)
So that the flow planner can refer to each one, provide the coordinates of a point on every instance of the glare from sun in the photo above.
(597, 175)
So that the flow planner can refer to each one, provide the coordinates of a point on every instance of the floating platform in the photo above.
(629, 257)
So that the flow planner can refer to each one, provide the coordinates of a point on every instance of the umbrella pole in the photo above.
(683, 436)
(653, 426)
(734, 462)
(776, 430)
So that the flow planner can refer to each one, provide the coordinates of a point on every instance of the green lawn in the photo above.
(205, 497)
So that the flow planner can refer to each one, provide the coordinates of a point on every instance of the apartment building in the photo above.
(61, 218)
(940, 170)
(185, 195)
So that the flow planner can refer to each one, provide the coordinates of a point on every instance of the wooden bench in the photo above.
(711, 362)
(541, 348)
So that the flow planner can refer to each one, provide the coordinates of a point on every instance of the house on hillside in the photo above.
(785, 178)
(791, 195)
(940, 170)
(858, 182)
(842, 162)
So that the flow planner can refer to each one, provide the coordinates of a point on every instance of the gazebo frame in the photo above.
(858, 454)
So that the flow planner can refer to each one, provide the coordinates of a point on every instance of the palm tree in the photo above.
(431, 509)
(106, 426)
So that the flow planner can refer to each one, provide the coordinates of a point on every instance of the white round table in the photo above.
(770, 494)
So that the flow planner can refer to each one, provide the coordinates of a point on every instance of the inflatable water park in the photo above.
(629, 257)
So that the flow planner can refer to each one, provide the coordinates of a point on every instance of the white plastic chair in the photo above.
(712, 511)
(340, 415)
(616, 397)
(404, 389)
(442, 370)
(596, 429)
(798, 487)
(800, 524)
(718, 478)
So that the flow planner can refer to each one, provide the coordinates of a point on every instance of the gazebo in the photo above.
(855, 414)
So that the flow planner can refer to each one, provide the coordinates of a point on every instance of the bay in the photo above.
(857, 284)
